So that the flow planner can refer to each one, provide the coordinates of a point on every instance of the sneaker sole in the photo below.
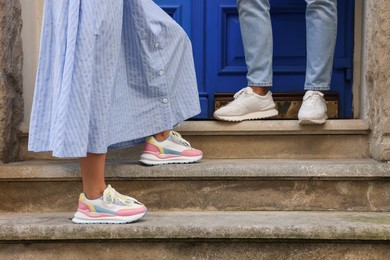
(250, 116)
(152, 160)
(80, 218)
(308, 121)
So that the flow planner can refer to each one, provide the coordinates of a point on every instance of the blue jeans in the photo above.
(321, 30)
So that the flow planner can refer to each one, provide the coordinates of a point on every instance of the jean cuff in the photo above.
(263, 84)
(317, 87)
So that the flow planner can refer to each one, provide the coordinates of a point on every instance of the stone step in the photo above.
(261, 139)
(200, 235)
(213, 185)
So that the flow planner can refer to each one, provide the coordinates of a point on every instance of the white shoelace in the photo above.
(313, 97)
(111, 196)
(242, 91)
(177, 137)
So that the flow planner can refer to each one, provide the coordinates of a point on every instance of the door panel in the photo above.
(214, 29)
(190, 15)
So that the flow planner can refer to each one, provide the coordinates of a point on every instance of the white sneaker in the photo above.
(313, 109)
(247, 105)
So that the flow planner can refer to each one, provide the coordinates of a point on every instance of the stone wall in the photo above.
(377, 76)
(11, 62)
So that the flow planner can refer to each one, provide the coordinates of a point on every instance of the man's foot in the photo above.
(247, 105)
(313, 109)
(111, 208)
(173, 150)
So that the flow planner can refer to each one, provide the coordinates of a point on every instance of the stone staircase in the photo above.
(265, 190)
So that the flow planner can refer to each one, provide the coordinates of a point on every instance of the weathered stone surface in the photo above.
(326, 169)
(283, 147)
(244, 250)
(254, 147)
(11, 62)
(344, 185)
(262, 139)
(352, 226)
(210, 195)
(377, 76)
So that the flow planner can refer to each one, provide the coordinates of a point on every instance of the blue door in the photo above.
(213, 26)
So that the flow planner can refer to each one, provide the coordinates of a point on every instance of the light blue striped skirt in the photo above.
(110, 73)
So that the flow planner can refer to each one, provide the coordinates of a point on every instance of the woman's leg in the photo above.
(92, 173)
(96, 208)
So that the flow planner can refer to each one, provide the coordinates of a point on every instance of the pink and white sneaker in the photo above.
(173, 150)
(111, 208)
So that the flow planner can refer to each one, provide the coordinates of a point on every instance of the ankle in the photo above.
(160, 137)
(261, 91)
(93, 194)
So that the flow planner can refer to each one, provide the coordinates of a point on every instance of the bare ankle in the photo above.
(162, 136)
(93, 195)
(262, 91)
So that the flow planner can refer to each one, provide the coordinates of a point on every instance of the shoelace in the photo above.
(177, 137)
(111, 196)
(239, 93)
(313, 97)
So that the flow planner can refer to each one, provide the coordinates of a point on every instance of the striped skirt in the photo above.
(110, 74)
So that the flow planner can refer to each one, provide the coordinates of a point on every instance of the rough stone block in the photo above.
(377, 76)
(11, 89)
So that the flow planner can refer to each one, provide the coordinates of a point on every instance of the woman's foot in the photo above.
(111, 208)
(173, 150)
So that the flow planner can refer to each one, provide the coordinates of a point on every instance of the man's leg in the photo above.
(255, 101)
(256, 31)
(321, 27)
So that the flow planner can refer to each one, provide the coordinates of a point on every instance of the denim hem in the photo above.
(265, 84)
(317, 88)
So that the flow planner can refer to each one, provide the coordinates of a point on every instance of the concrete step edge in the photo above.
(262, 127)
(354, 169)
(346, 226)
(273, 127)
